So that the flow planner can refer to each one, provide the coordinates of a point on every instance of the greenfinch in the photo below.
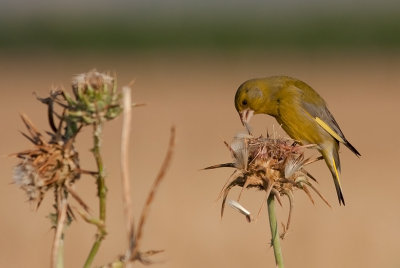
(301, 112)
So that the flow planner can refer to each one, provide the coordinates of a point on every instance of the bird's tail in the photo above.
(351, 147)
(333, 162)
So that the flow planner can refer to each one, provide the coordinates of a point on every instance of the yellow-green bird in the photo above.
(301, 112)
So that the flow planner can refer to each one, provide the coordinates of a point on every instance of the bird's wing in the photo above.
(315, 106)
(325, 119)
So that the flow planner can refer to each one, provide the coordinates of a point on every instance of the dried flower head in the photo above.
(273, 165)
(95, 98)
(53, 164)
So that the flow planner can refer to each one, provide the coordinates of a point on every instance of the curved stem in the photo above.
(101, 193)
(275, 242)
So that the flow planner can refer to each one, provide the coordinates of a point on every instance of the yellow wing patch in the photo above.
(329, 130)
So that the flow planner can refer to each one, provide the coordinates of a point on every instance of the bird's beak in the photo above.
(245, 117)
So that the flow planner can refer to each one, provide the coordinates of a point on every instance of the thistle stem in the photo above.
(275, 242)
(101, 193)
(57, 252)
(60, 254)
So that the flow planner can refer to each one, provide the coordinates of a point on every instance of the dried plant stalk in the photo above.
(126, 185)
(58, 243)
(136, 254)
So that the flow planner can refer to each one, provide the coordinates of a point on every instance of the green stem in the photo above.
(93, 252)
(274, 232)
(101, 193)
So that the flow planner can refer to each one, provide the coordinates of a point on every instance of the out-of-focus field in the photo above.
(195, 93)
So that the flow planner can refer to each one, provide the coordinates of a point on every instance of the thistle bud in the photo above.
(95, 99)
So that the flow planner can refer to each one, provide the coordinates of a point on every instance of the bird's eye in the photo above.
(244, 102)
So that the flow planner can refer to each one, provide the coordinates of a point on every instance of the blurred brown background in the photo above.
(191, 85)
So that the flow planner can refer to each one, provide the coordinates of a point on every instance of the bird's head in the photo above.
(251, 98)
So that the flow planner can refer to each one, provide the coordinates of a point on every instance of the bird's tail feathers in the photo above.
(338, 186)
(333, 162)
(351, 147)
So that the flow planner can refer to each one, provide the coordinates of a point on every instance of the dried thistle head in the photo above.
(48, 165)
(273, 165)
(95, 98)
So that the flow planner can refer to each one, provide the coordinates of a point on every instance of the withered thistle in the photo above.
(53, 163)
(273, 165)
(49, 165)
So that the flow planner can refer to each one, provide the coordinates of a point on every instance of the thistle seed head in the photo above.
(45, 166)
(273, 165)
